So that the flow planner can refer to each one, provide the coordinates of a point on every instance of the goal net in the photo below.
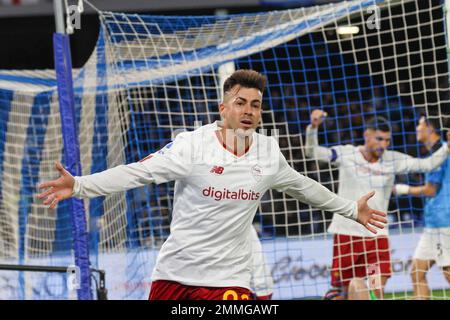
(150, 77)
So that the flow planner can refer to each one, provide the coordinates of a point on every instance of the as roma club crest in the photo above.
(257, 172)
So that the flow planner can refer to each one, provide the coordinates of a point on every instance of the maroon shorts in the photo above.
(171, 290)
(352, 256)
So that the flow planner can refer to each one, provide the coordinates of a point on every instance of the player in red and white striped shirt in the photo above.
(221, 172)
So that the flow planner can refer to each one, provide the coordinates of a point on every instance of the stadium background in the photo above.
(29, 46)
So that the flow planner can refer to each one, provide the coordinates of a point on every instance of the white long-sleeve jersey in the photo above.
(216, 196)
(358, 177)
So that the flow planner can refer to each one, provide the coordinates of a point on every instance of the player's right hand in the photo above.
(317, 117)
(58, 189)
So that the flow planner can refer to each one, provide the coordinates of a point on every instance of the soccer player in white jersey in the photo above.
(434, 244)
(361, 169)
(261, 281)
(221, 171)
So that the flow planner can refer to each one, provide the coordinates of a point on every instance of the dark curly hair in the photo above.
(245, 78)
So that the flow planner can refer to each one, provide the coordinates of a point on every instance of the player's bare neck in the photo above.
(432, 140)
(234, 143)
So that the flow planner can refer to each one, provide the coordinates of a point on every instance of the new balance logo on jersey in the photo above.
(217, 170)
(226, 194)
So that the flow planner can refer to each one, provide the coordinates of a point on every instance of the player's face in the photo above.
(241, 108)
(423, 132)
(377, 141)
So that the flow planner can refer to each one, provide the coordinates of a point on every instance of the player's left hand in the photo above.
(369, 217)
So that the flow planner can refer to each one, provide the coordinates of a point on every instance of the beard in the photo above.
(242, 133)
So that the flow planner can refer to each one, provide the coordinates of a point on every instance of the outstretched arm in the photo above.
(316, 195)
(171, 163)
(405, 163)
(313, 193)
(312, 147)
(110, 181)
(58, 189)
(426, 190)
